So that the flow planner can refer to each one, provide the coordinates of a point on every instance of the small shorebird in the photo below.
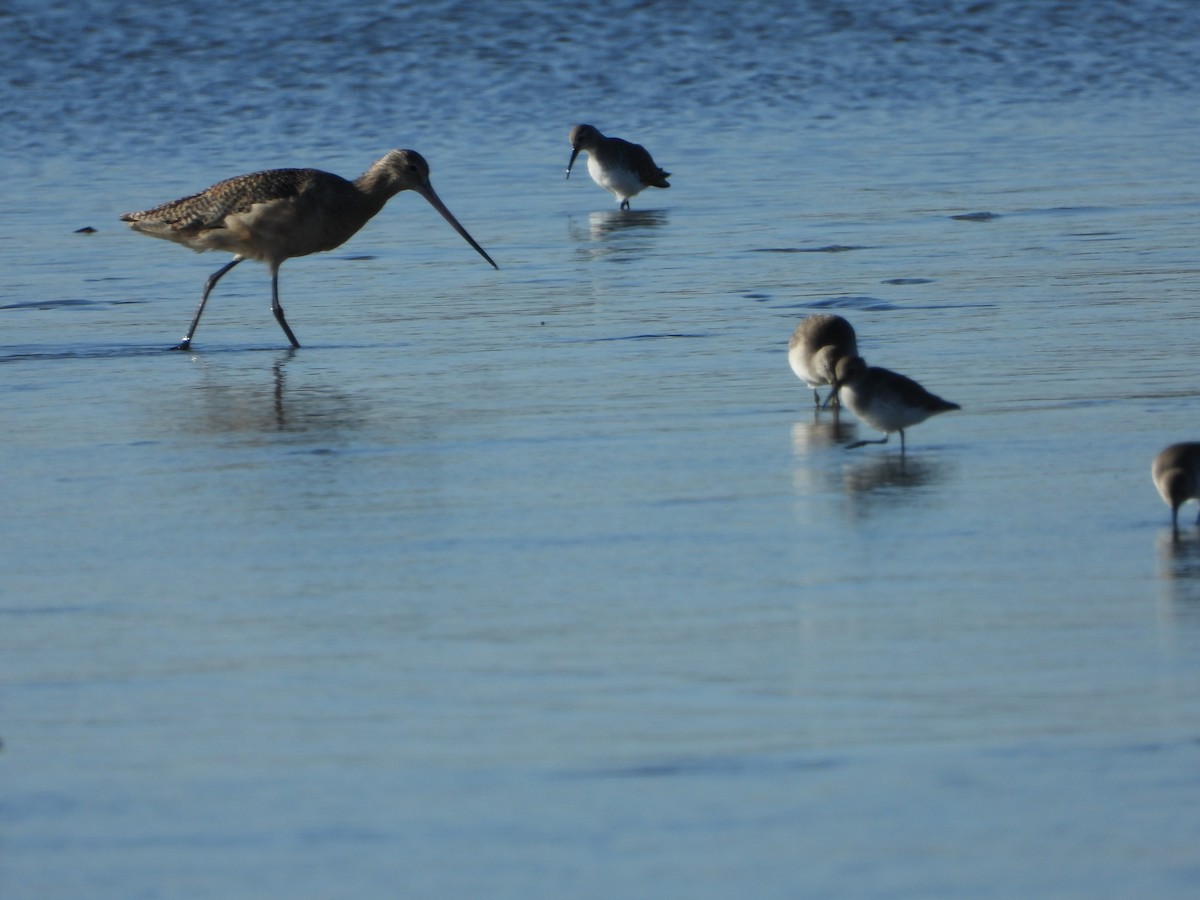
(621, 168)
(885, 400)
(1176, 473)
(274, 215)
(816, 345)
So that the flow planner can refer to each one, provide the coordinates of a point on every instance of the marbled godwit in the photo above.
(1176, 473)
(621, 168)
(816, 345)
(885, 400)
(280, 213)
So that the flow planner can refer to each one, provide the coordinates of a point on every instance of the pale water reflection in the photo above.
(246, 400)
(826, 429)
(616, 235)
(1179, 557)
(883, 473)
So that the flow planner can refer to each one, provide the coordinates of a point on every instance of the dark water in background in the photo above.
(547, 581)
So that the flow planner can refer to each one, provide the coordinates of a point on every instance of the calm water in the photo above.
(548, 582)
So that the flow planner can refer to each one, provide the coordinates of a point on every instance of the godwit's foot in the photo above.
(858, 444)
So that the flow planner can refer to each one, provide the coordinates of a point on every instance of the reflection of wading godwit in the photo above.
(885, 400)
(275, 215)
(621, 168)
(816, 345)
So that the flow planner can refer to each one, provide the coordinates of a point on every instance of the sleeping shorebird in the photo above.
(1176, 474)
(621, 168)
(885, 400)
(816, 345)
(280, 213)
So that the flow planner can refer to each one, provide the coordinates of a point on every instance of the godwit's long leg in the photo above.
(278, 309)
(208, 286)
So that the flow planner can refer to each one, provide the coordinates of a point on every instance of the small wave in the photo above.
(831, 248)
(872, 304)
(37, 354)
(709, 766)
(53, 304)
(976, 217)
(639, 337)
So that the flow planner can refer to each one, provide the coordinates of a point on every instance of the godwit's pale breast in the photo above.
(818, 342)
(1176, 474)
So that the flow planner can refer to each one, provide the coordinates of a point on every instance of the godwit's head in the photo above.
(847, 371)
(407, 170)
(582, 137)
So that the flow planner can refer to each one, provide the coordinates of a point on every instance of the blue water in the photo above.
(548, 581)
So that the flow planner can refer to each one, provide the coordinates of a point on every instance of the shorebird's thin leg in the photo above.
(208, 286)
(624, 205)
(277, 309)
(882, 440)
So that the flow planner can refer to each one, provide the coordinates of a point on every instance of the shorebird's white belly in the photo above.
(796, 359)
(622, 182)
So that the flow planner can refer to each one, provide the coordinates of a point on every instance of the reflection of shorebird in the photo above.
(612, 222)
(236, 401)
(822, 431)
(621, 168)
(816, 345)
(1176, 473)
(885, 400)
(882, 472)
(277, 214)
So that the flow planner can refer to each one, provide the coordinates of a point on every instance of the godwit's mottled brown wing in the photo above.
(209, 208)
(638, 160)
(902, 390)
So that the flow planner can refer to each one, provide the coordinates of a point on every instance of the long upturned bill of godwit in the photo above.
(885, 400)
(275, 215)
(817, 344)
(1176, 474)
(620, 167)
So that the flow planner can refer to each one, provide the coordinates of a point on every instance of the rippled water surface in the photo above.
(549, 581)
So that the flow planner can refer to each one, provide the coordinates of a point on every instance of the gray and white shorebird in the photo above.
(1176, 474)
(818, 342)
(620, 167)
(277, 214)
(885, 400)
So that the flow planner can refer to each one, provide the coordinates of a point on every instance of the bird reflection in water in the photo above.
(821, 432)
(615, 233)
(612, 221)
(880, 474)
(1179, 554)
(1179, 578)
(237, 401)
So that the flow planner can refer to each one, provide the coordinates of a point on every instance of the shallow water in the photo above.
(549, 581)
